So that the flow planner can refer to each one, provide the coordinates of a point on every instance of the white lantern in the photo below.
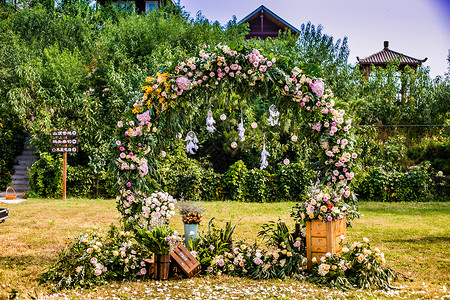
(286, 161)
(233, 145)
(223, 117)
(163, 153)
(254, 125)
(294, 138)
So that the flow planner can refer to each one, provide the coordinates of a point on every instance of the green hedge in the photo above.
(193, 180)
(412, 184)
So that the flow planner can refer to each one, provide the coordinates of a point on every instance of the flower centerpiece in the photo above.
(321, 203)
(191, 215)
(160, 240)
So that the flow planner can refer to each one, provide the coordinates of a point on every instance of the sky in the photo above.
(417, 28)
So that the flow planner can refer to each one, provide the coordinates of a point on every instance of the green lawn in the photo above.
(414, 236)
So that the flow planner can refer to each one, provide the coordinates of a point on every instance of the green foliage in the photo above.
(377, 184)
(156, 239)
(83, 182)
(12, 138)
(235, 180)
(91, 260)
(437, 153)
(46, 176)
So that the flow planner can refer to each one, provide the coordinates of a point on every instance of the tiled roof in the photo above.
(386, 55)
(270, 13)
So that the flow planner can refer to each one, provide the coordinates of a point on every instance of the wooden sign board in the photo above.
(62, 133)
(64, 149)
(64, 141)
(188, 264)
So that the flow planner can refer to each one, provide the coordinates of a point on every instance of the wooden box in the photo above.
(184, 260)
(4, 214)
(323, 237)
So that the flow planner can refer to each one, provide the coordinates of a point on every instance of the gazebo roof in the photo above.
(386, 55)
(270, 15)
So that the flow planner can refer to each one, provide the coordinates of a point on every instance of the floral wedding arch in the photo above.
(176, 95)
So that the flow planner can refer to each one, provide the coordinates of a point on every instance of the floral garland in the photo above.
(167, 93)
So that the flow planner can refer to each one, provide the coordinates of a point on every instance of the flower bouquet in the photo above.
(321, 203)
(191, 215)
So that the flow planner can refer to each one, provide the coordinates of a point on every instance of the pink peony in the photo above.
(317, 87)
(183, 83)
(144, 117)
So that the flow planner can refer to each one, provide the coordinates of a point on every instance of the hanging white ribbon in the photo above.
(274, 114)
(210, 122)
(264, 155)
(241, 130)
(192, 140)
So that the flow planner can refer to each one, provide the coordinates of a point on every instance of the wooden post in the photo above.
(64, 175)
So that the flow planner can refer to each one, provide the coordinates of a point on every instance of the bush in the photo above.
(12, 138)
(437, 153)
(412, 184)
(83, 182)
(46, 176)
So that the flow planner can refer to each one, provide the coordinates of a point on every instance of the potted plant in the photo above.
(191, 215)
(160, 240)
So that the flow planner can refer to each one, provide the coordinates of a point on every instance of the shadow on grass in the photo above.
(423, 240)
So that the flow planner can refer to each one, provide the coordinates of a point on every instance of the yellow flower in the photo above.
(284, 251)
(289, 254)
(334, 267)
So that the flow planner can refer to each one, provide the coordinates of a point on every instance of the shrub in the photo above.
(12, 138)
(437, 153)
(46, 176)
(412, 184)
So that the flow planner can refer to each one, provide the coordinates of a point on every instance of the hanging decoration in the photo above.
(294, 138)
(264, 155)
(233, 145)
(286, 161)
(241, 129)
(192, 140)
(274, 114)
(254, 125)
(223, 117)
(210, 122)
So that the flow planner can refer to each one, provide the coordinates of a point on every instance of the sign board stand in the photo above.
(64, 184)
(62, 141)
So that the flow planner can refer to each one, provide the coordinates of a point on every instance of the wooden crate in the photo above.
(187, 263)
(4, 214)
(323, 237)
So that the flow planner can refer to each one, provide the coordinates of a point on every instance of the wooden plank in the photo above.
(188, 264)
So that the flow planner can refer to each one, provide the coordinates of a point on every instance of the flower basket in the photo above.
(323, 238)
(10, 197)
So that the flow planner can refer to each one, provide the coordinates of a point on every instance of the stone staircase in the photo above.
(24, 162)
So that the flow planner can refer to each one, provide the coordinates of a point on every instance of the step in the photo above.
(20, 177)
(19, 182)
(26, 157)
(21, 172)
(20, 168)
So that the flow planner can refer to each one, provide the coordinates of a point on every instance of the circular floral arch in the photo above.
(174, 97)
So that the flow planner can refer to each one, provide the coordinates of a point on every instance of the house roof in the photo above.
(271, 16)
(386, 55)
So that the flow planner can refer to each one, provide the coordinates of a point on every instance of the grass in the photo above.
(414, 236)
